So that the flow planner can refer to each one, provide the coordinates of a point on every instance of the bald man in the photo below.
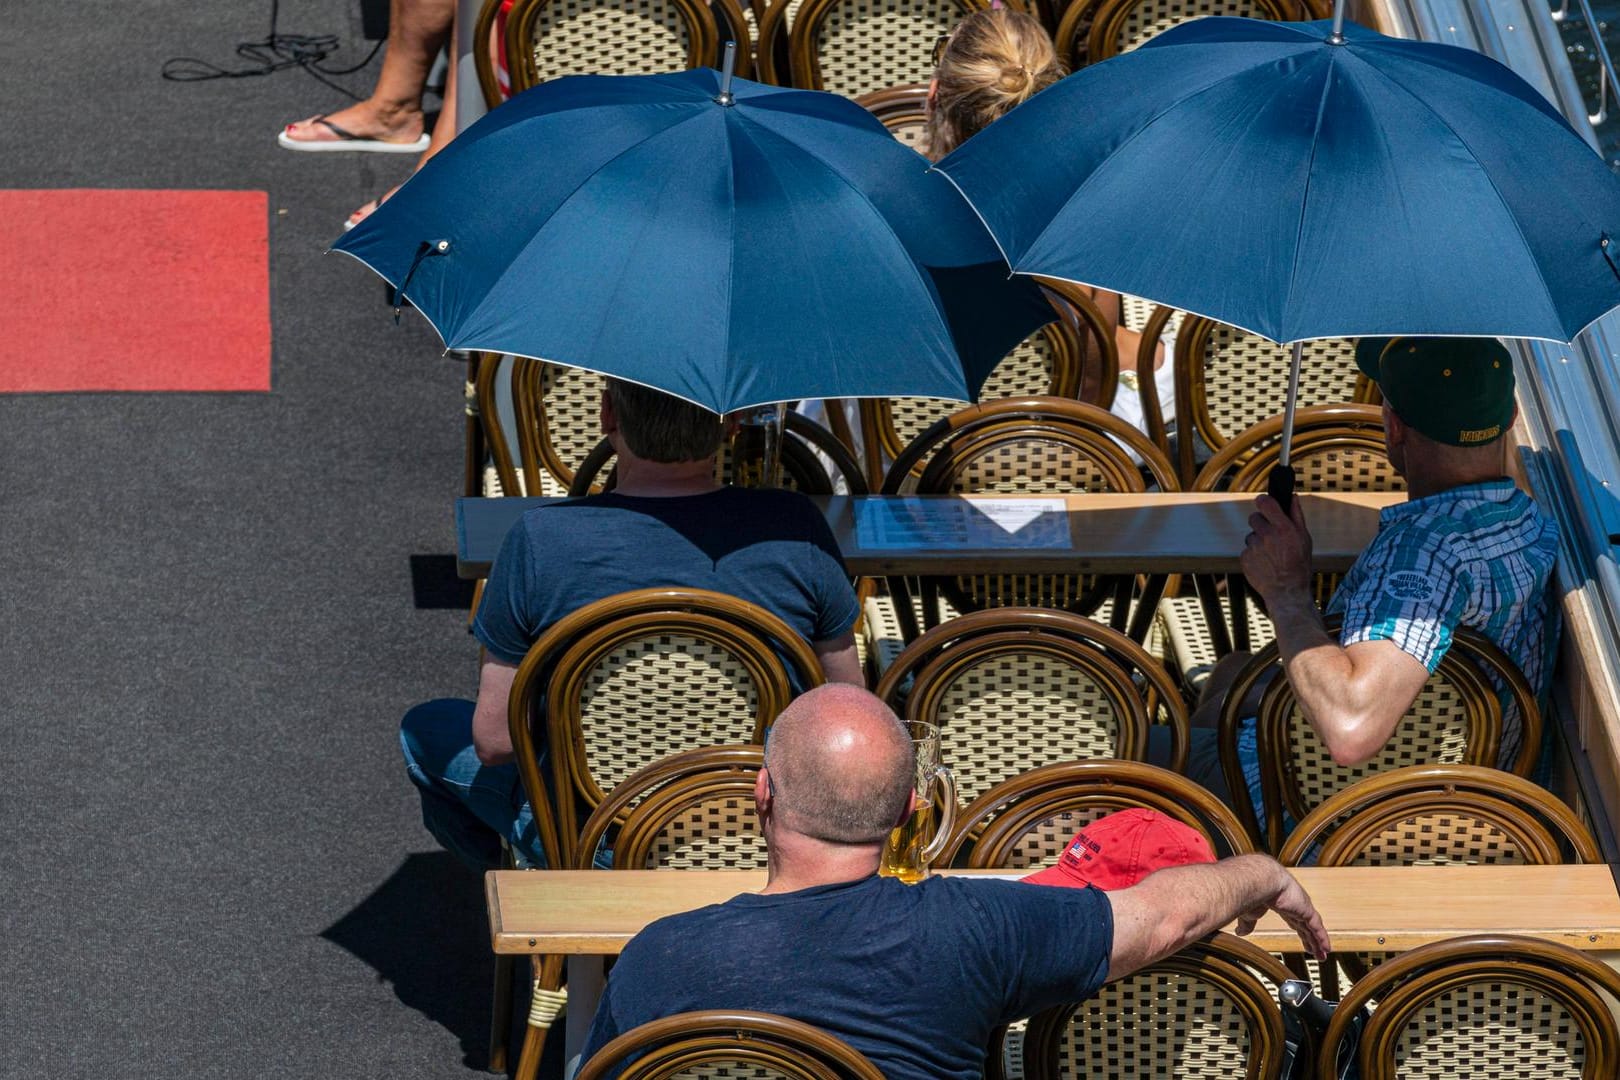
(914, 976)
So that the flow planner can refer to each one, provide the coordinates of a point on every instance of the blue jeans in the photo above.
(468, 806)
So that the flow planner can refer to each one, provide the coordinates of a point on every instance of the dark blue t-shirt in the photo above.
(913, 976)
(771, 548)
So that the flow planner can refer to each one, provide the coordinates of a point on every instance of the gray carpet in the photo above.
(211, 863)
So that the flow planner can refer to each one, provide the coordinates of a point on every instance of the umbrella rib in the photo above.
(1305, 196)
(1507, 208)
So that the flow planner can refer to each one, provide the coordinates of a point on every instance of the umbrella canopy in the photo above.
(1270, 177)
(735, 249)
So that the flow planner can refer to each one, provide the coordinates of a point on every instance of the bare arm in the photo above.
(839, 660)
(1172, 908)
(492, 738)
(1354, 696)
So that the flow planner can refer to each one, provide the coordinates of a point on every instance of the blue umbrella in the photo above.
(1306, 180)
(732, 243)
(1261, 175)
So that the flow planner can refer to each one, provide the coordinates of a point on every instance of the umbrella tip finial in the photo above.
(728, 65)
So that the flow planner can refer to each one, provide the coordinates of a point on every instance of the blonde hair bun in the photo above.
(996, 60)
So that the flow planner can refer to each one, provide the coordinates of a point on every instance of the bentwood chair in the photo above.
(547, 39)
(1014, 689)
(814, 461)
(556, 416)
(1076, 348)
(903, 110)
(1336, 448)
(1022, 446)
(1208, 1011)
(1023, 823)
(1483, 1006)
(633, 678)
(1227, 380)
(693, 810)
(728, 1043)
(690, 811)
(853, 47)
(1093, 30)
(1456, 719)
(1435, 815)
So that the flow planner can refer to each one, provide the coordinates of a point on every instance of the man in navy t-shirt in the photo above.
(666, 523)
(913, 976)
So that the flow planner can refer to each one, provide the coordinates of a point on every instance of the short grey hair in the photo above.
(819, 794)
(661, 427)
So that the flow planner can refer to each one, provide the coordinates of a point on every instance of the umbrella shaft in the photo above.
(1294, 365)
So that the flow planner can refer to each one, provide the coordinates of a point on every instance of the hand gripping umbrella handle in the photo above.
(1280, 486)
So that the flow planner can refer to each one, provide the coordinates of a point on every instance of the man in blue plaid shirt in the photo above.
(1466, 549)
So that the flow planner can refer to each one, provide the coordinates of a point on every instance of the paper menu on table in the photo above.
(903, 523)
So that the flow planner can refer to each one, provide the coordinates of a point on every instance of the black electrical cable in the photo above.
(276, 52)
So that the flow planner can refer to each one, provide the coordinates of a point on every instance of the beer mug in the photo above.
(918, 840)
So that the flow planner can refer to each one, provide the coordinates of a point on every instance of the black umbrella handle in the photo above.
(1280, 486)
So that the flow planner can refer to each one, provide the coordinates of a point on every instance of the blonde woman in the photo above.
(994, 61)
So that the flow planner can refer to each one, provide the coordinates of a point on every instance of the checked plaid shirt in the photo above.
(1477, 556)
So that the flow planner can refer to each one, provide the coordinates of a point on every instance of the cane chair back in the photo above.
(728, 1044)
(1228, 379)
(547, 39)
(903, 110)
(813, 461)
(1456, 719)
(636, 677)
(1052, 362)
(1029, 446)
(1204, 1012)
(1117, 26)
(1335, 448)
(1496, 1007)
(1025, 822)
(1015, 689)
(702, 821)
(1435, 815)
(854, 47)
(556, 412)
(607, 820)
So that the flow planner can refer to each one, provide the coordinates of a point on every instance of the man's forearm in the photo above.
(1172, 908)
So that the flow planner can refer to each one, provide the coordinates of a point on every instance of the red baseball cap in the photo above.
(1123, 848)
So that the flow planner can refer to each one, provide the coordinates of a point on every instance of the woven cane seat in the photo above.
(548, 39)
(1013, 690)
(1496, 1007)
(728, 1043)
(1011, 712)
(1204, 1012)
(556, 413)
(622, 733)
(1491, 1031)
(1123, 25)
(856, 47)
(903, 110)
(640, 676)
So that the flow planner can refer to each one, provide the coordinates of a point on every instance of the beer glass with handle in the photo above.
(918, 840)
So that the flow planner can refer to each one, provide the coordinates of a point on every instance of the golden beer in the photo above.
(903, 851)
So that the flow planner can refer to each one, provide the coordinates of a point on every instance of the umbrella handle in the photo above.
(1280, 486)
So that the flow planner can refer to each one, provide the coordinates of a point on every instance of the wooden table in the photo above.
(588, 914)
(1365, 908)
(1154, 533)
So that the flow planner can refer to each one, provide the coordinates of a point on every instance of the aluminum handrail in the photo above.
(1606, 73)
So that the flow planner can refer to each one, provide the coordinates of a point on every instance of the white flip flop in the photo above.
(349, 141)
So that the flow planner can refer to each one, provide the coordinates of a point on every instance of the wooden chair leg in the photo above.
(500, 1017)
(548, 1002)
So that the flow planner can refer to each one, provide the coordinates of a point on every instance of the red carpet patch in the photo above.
(135, 290)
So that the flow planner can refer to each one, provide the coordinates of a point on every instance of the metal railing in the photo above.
(1600, 48)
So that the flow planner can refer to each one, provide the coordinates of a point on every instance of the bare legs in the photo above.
(443, 131)
(417, 30)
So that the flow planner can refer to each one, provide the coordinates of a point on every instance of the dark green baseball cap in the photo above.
(1455, 390)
